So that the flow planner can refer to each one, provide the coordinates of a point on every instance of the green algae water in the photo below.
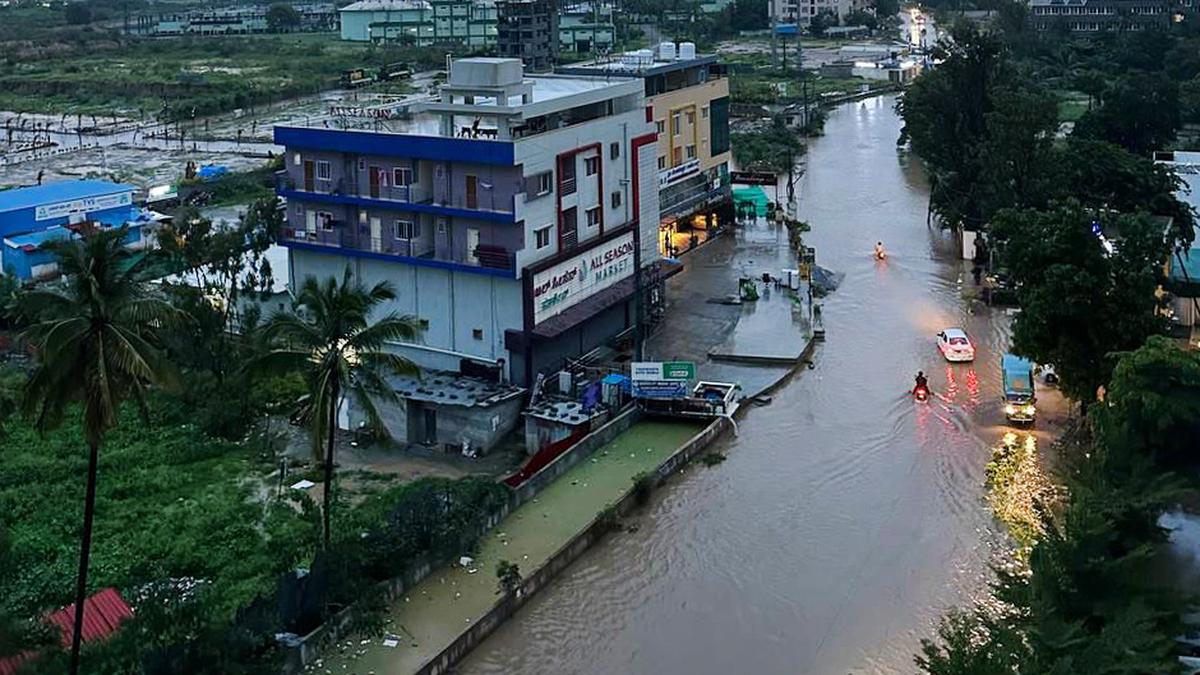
(433, 613)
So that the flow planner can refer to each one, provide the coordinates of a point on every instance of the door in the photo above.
(472, 192)
(376, 235)
(430, 426)
(472, 246)
(374, 173)
(309, 175)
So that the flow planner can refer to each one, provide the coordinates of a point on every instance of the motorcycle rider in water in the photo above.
(922, 382)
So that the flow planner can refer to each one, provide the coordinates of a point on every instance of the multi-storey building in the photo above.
(513, 213)
(802, 11)
(528, 30)
(587, 28)
(421, 22)
(688, 96)
(313, 17)
(1093, 16)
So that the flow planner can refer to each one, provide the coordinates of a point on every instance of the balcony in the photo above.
(416, 198)
(487, 259)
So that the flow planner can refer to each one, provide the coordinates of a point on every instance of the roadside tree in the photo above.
(1154, 402)
(1140, 113)
(1081, 303)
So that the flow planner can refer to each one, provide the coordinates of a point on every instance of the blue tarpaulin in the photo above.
(211, 171)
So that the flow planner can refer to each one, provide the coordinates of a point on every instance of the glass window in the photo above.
(691, 117)
(704, 112)
(407, 229)
(324, 172)
(402, 176)
(541, 236)
(659, 125)
(545, 183)
(691, 152)
(614, 150)
(326, 221)
(676, 125)
(591, 165)
(616, 199)
(662, 162)
(593, 216)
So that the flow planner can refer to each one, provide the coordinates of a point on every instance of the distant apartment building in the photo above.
(420, 22)
(688, 98)
(528, 30)
(1097, 16)
(587, 28)
(512, 212)
(314, 17)
(801, 12)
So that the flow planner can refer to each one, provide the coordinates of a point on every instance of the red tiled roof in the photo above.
(102, 615)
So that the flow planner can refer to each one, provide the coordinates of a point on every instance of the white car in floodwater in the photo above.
(954, 344)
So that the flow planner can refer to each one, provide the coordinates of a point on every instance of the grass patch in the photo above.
(103, 72)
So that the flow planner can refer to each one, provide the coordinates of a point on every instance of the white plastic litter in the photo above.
(303, 485)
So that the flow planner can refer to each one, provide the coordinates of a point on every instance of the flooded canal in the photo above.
(847, 516)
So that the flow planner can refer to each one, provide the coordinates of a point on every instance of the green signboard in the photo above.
(679, 370)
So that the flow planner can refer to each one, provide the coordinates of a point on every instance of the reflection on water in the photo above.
(848, 515)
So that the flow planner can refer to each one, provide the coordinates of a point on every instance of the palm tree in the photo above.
(331, 341)
(95, 337)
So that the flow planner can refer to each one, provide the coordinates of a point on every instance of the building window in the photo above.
(660, 126)
(676, 125)
(591, 165)
(296, 159)
(541, 236)
(662, 162)
(691, 117)
(704, 112)
(402, 176)
(677, 157)
(614, 150)
(326, 220)
(423, 323)
(616, 199)
(324, 172)
(691, 152)
(593, 216)
(407, 229)
(477, 333)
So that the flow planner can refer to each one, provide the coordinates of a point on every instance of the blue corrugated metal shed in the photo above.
(1186, 266)
(24, 198)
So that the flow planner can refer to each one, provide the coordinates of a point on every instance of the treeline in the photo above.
(1083, 225)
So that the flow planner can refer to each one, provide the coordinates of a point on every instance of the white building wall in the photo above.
(539, 153)
(454, 303)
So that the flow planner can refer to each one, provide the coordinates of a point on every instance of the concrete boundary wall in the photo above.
(576, 454)
(309, 647)
(567, 554)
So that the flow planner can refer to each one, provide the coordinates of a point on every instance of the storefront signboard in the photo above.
(559, 287)
(84, 206)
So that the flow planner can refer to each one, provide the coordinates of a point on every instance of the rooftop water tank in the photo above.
(666, 51)
(687, 51)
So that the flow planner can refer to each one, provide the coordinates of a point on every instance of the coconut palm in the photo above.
(330, 340)
(95, 338)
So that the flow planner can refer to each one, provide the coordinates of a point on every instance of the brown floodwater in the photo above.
(847, 517)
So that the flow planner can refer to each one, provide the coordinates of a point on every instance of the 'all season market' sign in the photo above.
(575, 279)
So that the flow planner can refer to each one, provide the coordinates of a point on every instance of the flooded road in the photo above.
(847, 516)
